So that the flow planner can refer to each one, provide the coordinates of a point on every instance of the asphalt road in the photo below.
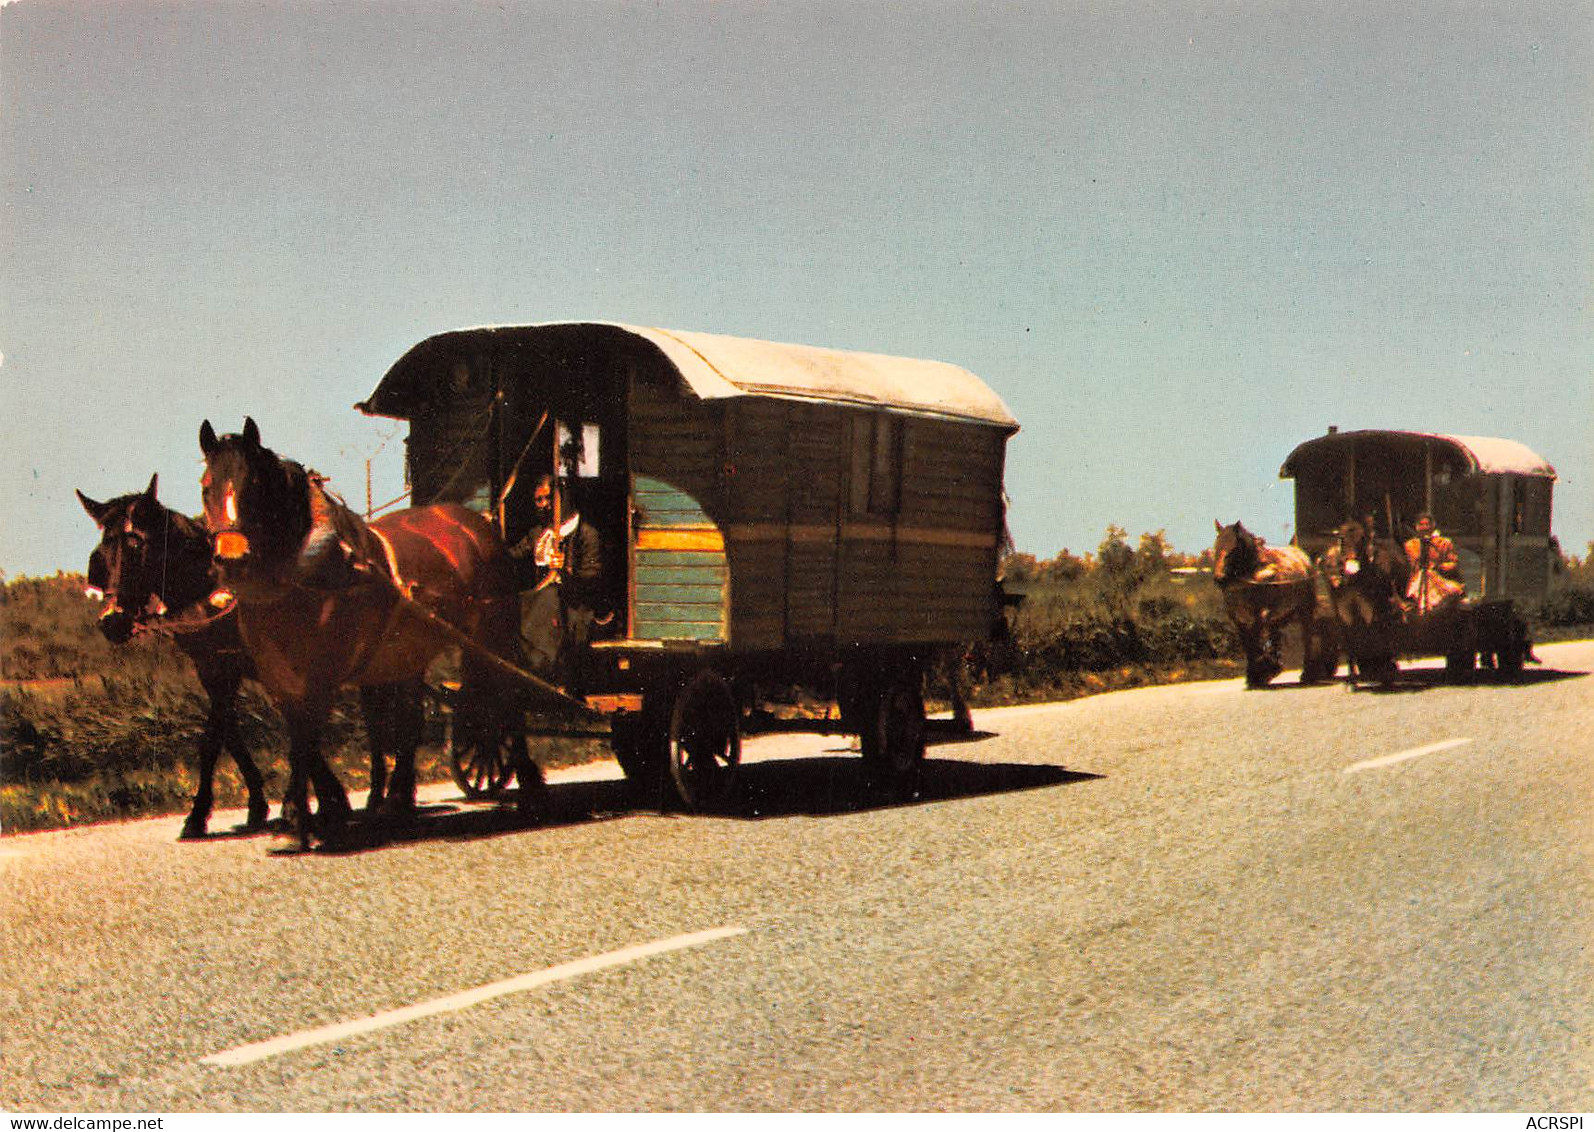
(1182, 898)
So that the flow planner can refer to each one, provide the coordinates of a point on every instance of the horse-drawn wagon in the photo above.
(770, 515)
(1490, 497)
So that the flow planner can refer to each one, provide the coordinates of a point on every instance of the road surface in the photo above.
(1183, 898)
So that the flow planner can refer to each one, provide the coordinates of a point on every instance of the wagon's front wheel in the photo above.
(705, 741)
(481, 753)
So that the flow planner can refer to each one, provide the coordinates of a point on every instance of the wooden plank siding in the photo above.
(816, 466)
(449, 449)
(798, 560)
(928, 575)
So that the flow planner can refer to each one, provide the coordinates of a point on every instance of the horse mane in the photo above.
(287, 502)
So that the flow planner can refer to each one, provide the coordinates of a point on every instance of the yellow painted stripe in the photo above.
(680, 538)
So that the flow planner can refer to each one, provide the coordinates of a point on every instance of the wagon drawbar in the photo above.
(772, 515)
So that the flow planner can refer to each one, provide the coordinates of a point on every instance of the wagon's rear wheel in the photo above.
(481, 753)
(705, 741)
(893, 736)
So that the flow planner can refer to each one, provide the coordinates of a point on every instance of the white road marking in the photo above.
(258, 1051)
(1402, 756)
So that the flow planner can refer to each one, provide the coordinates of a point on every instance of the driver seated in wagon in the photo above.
(1436, 569)
(559, 609)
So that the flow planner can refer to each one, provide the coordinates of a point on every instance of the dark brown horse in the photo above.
(152, 569)
(1264, 589)
(415, 582)
(1368, 577)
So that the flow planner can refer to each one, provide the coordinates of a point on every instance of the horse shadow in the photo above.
(1416, 680)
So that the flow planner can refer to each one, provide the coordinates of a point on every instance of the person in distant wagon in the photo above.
(1436, 570)
(558, 611)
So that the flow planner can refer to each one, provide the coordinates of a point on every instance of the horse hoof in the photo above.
(532, 806)
(193, 831)
(257, 820)
(398, 803)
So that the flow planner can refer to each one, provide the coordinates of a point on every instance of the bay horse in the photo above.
(1368, 578)
(153, 572)
(1264, 589)
(417, 581)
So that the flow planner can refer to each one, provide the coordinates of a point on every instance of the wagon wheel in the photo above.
(893, 741)
(481, 753)
(705, 741)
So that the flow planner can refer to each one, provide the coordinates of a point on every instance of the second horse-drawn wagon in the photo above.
(1490, 497)
(770, 515)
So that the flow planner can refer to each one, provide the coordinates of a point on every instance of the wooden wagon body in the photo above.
(768, 511)
(1490, 496)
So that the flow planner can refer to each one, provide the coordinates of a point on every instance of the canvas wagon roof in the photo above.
(716, 366)
(1486, 454)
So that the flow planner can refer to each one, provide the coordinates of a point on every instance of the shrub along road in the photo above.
(1185, 897)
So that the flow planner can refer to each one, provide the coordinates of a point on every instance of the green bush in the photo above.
(1572, 606)
(91, 731)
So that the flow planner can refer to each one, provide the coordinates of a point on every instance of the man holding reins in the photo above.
(557, 613)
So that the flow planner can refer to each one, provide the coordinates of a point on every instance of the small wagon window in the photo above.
(580, 449)
(876, 465)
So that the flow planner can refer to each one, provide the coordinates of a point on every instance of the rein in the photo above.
(180, 625)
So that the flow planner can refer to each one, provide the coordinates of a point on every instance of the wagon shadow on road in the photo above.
(819, 786)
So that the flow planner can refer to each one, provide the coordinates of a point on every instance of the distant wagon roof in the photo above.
(1487, 454)
(715, 366)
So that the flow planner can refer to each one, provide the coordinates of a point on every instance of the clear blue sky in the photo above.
(1177, 238)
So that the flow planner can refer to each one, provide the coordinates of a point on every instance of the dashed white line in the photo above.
(258, 1051)
(1402, 756)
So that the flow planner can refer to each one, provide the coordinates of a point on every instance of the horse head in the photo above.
(1360, 561)
(130, 568)
(255, 506)
(1235, 555)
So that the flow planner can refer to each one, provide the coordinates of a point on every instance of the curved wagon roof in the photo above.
(714, 366)
(1485, 454)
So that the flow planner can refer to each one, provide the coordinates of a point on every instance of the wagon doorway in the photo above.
(561, 413)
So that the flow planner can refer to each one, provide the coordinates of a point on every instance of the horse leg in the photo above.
(532, 799)
(962, 718)
(1315, 664)
(305, 722)
(375, 705)
(254, 781)
(405, 722)
(222, 688)
(198, 821)
(1255, 662)
(532, 795)
(296, 799)
(1272, 648)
